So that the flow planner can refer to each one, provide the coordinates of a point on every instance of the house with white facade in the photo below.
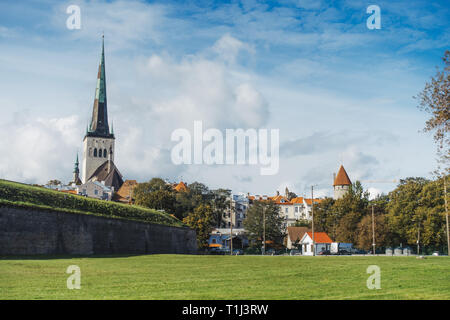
(321, 239)
(96, 189)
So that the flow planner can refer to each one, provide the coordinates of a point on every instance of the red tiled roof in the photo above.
(342, 178)
(308, 201)
(320, 237)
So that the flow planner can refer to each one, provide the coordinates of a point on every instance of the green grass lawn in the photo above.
(224, 277)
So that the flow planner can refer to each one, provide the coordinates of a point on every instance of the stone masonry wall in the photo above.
(32, 231)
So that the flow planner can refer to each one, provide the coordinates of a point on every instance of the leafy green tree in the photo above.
(54, 182)
(365, 235)
(431, 213)
(220, 204)
(274, 224)
(403, 209)
(201, 220)
(349, 211)
(160, 200)
(325, 217)
(303, 223)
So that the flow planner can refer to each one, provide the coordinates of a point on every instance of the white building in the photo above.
(239, 207)
(95, 189)
(321, 239)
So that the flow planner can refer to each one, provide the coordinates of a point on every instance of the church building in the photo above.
(99, 141)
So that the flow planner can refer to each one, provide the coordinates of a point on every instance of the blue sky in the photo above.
(337, 91)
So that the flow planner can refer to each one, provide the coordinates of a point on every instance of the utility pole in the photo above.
(373, 230)
(418, 239)
(446, 213)
(264, 231)
(312, 224)
(231, 227)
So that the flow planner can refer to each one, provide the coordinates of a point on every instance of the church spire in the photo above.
(99, 123)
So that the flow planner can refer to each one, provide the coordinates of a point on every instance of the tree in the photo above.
(365, 235)
(186, 202)
(325, 217)
(402, 210)
(54, 182)
(303, 223)
(220, 204)
(201, 221)
(435, 99)
(349, 211)
(432, 214)
(155, 194)
(274, 224)
(160, 200)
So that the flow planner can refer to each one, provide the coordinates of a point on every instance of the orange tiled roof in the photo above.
(342, 178)
(297, 200)
(320, 237)
(308, 201)
(69, 191)
(181, 187)
(280, 200)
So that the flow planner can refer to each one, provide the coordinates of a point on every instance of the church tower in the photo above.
(341, 183)
(98, 143)
(76, 174)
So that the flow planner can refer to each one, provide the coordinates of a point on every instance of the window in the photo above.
(296, 209)
(95, 152)
(286, 210)
(213, 240)
(100, 153)
(104, 153)
(96, 192)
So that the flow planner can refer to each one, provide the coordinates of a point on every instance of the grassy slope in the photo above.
(22, 195)
(224, 277)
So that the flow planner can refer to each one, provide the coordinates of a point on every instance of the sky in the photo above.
(338, 92)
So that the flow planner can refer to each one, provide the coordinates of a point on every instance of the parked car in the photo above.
(324, 252)
(436, 253)
(295, 252)
(237, 252)
(344, 253)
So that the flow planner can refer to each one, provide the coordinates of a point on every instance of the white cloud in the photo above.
(374, 192)
(37, 150)
(228, 48)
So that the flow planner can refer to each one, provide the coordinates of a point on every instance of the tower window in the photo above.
(95, 152)
(104, 153)
(100, 153)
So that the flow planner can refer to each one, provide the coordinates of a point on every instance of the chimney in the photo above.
(278, 193)
(334, 177)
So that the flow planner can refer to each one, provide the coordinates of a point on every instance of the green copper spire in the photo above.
(76, 168)
(99, 123)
